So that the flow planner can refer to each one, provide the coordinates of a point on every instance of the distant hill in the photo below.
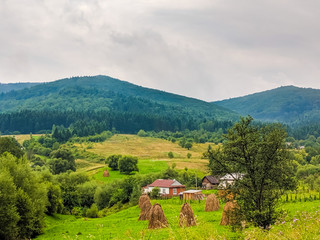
(117, 103)
(7, 87)
(291, 105)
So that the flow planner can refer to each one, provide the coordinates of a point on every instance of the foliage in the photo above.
(24, 201)
(260, 155)
(8, 210)
(9, 144)
(170, 154)
(93, 211)
(55, 204)
(128, 164)
(155, 193)
(69, 183)
(113, 161)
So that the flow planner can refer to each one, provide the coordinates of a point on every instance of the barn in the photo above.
(210, 182)
(192, 195)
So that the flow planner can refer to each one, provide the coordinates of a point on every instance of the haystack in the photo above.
(212, 203)
(186, 218)
(157, 219)
(143, 198)
(228, 214)
(106, 173)
(145, 210)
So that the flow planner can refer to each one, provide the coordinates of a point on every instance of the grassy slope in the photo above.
(124, 225)
(152, 154)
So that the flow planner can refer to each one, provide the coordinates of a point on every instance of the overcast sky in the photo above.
(207, 49)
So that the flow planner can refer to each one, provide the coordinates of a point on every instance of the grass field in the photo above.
(124, 225)
(152, 148)
(22, 137)
(151, 152)
(145, 166)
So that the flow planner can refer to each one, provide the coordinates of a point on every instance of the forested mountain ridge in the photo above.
(103, 93)
(101, 103)
(289, 104)
(7, 87)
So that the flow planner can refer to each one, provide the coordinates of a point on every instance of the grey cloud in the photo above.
(208, 49)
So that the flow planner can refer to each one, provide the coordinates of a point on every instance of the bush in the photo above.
(113, 162)
(155, 193)
(93, 211)
(170, 154)
(128, 164)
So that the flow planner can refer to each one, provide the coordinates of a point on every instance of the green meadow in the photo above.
(300, 222)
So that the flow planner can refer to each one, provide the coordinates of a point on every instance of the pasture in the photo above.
(301, 222)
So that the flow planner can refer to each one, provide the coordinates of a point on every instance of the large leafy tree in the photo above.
(23, 199)
(260, 154)
(128, 164)
(10, 144)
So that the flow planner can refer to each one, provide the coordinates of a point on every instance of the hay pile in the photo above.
(143, 198)
(212, 203)
(157, 219)
(106, 173)
(228, 215)
(145, 211)
(186, 218)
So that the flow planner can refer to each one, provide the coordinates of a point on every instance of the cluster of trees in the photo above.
(186, 138)
(125, 164)
(28, 191)
(25, 195)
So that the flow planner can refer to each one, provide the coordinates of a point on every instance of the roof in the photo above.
(166, 183)
(192, 191)
(211, 179)
(234, 176)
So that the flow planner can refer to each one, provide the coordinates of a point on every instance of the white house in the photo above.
(229, 179)
(167, 187)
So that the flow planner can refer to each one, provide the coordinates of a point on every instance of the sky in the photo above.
(206, 49)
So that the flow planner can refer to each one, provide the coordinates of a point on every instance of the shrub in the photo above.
(93, 211)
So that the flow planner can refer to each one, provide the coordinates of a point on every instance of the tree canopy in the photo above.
(259, 155)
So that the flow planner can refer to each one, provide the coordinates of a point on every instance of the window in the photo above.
(174, 191)
(163, 190)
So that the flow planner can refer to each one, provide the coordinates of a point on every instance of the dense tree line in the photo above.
(91, 122)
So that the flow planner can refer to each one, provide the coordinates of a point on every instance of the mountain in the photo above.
(289, 104)
(117, 103)
(7, 87)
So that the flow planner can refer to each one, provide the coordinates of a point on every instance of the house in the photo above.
(192, 195)
(229, 179)
(210, 182)
(167, 187)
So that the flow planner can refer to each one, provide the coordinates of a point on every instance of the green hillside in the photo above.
(285, 104)
(104, 93)
(7, 87)
(104, 103)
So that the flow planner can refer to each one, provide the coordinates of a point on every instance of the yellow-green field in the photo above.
(22, 137)
(146, 148)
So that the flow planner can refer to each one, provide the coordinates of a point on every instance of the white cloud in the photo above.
(208, 49)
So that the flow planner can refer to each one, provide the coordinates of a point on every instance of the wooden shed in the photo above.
(210, 182)
(192, 195)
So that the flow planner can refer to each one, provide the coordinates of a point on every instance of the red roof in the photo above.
(166, 183)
